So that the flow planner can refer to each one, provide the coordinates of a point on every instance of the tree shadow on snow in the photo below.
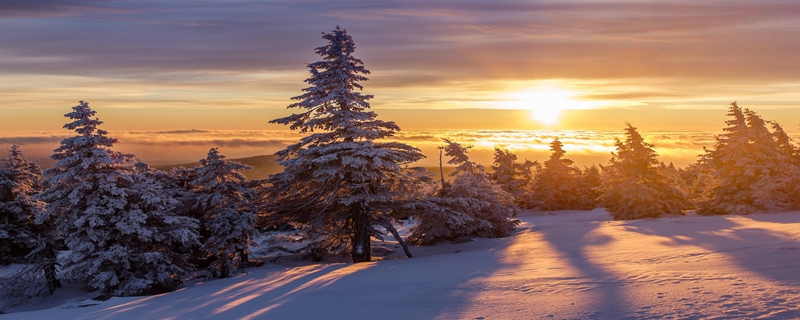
(743, 240)
(572, 237)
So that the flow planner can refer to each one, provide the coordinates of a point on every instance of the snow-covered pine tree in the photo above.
(513, 177)
(633, 185)
(471, 206)
(20, 181)
(21, 239)
(333, 179)
(555, 187)
(228, 211)
(118, 225)
(748, 165)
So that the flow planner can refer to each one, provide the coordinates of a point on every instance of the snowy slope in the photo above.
(574, 264)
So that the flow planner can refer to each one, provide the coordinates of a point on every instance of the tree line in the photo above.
(127, 229)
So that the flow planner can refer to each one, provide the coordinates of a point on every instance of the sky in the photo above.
(231, 66)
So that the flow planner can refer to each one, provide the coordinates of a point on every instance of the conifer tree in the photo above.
(471, 206)
(228, 210)
(20, 182)
(555, 187)
(633, 185)
(515, 178)
(749, 167)
(118, 225)
(21, 239)
(334, 179)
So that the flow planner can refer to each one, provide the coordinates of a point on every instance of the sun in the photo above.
(547, 102)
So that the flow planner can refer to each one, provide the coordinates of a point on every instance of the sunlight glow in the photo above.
(546, 103)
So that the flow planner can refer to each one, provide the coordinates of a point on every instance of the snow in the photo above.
(573, 264)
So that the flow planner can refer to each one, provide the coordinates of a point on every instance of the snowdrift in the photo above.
(573, 264)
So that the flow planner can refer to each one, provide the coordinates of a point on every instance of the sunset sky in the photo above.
(171, 66)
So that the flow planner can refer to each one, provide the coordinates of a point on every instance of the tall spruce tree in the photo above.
(633, 185)
(334, 179)
(118, 225)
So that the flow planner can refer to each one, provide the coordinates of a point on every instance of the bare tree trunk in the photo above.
(49, 267)
(361, 246)
(441, 166)
(399, 239)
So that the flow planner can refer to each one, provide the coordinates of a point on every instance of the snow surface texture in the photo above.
(574, 264)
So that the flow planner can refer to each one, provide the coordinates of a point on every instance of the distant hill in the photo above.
(262, 166)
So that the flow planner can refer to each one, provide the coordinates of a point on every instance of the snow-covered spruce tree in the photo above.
(515, 178)
(118, 225)
(21, 239)
(471, 206)
(749, 167)
(782, 191)
(555, 187)
(227, 210)
(334, 179)
(20, 181)
(633, 185)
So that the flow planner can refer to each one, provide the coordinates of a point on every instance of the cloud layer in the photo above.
(585, 147)
(423, 54)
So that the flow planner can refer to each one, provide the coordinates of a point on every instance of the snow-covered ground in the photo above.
(573, 264)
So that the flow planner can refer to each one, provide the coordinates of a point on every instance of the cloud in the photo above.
(55, 8)
(31, 140)
(189, 131)
(423, 54)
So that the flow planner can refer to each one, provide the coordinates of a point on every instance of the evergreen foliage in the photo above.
(556, 186)
(472, 206)
(515, 178)
(752, 167)
(335, 180)
(228, 211)
(20, 182)
(633, 185)
(21, 239)
(117, 223)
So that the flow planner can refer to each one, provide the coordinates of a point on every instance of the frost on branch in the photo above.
(121, 229)
(225, 207)
(336, 181)
(21, 239)
(633, 185)
(471, 206)
(515, 178)
(753, 168)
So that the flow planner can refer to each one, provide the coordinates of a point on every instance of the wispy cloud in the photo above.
(423, 54)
